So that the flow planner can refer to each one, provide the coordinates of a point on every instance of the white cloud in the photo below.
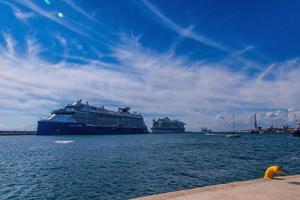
(156, 84)
(19, 14)
(33, 47)
(244, 50)
(266, 71)
(219, 117)
(270, 115)
(23, 16)
(10, 44)
(293, 114)
(62, 41)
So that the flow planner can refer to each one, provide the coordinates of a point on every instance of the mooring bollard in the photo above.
(272, 171)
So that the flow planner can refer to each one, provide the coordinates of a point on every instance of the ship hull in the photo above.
(63, 128)
(296, 133)
(165, 130)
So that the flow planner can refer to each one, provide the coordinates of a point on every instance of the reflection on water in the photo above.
(63, 141)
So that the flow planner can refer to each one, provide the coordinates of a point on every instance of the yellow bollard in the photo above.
(271, 171)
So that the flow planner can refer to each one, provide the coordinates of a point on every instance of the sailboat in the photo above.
(233, 134)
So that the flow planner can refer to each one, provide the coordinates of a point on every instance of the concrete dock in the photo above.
(285, 187)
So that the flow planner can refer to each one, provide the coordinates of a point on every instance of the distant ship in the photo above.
(166, 125)
(205, 130)
(82, 118)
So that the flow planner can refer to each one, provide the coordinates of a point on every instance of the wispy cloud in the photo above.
(156, 84)
(186, 32)
(33, 47)
(62, 40)
(19, 14)
(73, 5)
(22, 15)
(266, 71)
(86, 30)
(234, 56)
(10, 44)
(244, 50)
(53, 17)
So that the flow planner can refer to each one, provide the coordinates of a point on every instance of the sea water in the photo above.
(128, 166)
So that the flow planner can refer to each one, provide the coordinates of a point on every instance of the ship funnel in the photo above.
(126, 109)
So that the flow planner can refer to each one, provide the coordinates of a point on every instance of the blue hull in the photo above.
(61, 128)
(167, 130)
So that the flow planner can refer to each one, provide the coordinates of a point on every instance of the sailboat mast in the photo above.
(233, 128)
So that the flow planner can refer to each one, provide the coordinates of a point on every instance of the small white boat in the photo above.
(233, 134)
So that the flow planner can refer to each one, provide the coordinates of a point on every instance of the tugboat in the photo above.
(205, 130)
(233, 134)
(296, 132)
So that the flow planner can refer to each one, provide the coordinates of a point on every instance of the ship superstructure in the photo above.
(166, 125)
(82, 118)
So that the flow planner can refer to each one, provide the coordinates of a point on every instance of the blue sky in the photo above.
(198, 61)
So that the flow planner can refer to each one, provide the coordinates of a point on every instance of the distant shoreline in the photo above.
(7, 133)
(17, 133)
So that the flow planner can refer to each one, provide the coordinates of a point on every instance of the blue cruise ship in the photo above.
(82, 118)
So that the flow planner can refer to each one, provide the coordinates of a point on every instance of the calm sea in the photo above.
(127, 166)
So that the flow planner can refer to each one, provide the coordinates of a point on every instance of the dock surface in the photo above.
(285, 187)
